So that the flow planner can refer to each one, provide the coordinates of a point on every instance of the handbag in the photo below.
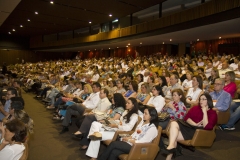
(163, 116)
(100, 115)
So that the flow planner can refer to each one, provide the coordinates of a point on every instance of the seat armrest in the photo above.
(121, 132)
(203, 138)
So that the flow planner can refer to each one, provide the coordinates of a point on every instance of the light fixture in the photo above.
(116, 20)
(21, 25)
(126, 46)
(95, 49)
(110, 15)
(9, 32)
(36, 12)
(170, 39)
(140, 42)
(28, 20)
(89, 22)
(109, 48)
(51, 2)
(13, 30)
(89, 50)
(117, 47)
(129, 44)
(162, 42)
(197, 39)
(220, 37)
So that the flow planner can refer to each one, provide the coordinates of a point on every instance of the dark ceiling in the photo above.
(66, 15)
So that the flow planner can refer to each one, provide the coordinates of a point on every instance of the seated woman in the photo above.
(139, 80)
(175, 108)
(120, 87)
(132, 92)
(230, 85)
(111, 87)
(157, 101)
(194, 92)
(13, 137)
(114, 113)
(214, 75)
(143, 96)
(201, 116)
(187, 83)
(126, 123)
(150, 82)
(148, 128)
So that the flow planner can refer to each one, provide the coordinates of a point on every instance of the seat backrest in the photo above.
(223, 116)
(157, 139)
(137, 123)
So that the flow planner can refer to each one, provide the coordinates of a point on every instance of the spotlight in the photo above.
(36, 12)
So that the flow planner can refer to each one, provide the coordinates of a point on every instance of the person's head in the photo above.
(215, 59)
(133, 86)
(150, 79)
(157, 90)
(96, 87)
(178, 95)
(140, 78)
(17, 84)
(11, 92)
(18, 99)
(118, 100)
(111, 83)
(206, 100)
(15, 105)
(120, 84)
(145, 89)
(15, 131)
(103, 93)
(132, 107)
(78, 84)
(230, 76)
(173, 79)
(189, 75)
(129, 77)
(200, 70)
(150, 115)
(236, 60)
(22, 116)
(215, 73)
(219, 84)
(87, 88)
(162, 81)
(225, 65)
(209, 65)
(197, 82)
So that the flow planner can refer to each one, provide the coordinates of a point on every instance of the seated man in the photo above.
(78, 109)
(221, 99)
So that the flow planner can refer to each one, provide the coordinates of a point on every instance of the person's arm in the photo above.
(223, 102)
(129, 126)
(195, 102)
(146, 99)
(3, 111)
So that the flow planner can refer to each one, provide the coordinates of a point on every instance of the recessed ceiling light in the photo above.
(197, 39)
(89, 50)
(36, 12)
(21, 25)
(110, 15)
(109, 48)
(13, 30)
(140, 42)
(220, 37)
(170, 39)
(51, 2)
(28, 20)
(129, 44)
(117, 47)
(9, 32)
(126, 46)
(162, 42)
(95, 49)
(89, 22)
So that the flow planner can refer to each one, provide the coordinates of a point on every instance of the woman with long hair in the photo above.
(148, 128)
(126, 123)
(230, 85)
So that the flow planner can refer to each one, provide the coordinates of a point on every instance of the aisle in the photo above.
(46, 143)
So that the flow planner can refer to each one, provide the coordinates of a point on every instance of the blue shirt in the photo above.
(223, 100)
(6, 108)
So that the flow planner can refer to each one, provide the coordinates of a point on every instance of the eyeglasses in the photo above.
(203, 99)
(217, 84)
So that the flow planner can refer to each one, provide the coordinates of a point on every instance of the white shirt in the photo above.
(193, 94)
(222, 72)
(234, 66)
(215, 64)
(238, 73)
(92, 101)
(200, 64)
(77, 92)
(12, 152)
(145, 79)
(95, 77)
(186, 83)
(208, 72)
(127, 126)
(168, 91)
(103, 105)
(158, 102)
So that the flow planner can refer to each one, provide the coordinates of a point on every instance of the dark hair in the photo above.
(17, 105)
(154, 116)
(141, 77)
(180, 93)
(20, 99)
(13, 91)
(97, 85)
(202, 70)
(119, 100)
(133, 110)
(175, 74)
(106, 92)
(209, 100)
(134, 85)
(18, 128)
(164, 81)
(130, 75)
(18, 82)
(200, 81)
(159, 89)
(114, 82)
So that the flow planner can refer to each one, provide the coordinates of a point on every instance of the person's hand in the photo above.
(170, 105)
(113, 125)
(4, 142)
(199, 124)
(204, 108)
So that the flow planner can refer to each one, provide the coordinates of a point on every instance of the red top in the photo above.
(196, 114)
(231, 88)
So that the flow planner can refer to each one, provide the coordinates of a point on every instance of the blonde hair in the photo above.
(22, 116)
(89, 88)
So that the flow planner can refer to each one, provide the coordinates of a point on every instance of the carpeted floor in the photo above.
(47, 144)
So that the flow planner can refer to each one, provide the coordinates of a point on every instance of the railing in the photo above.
(206, 9)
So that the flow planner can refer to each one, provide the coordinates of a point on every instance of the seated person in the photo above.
(221, 99)
(13, 137)
(144, 95)
(132, 92)
(187, 83)
(201, 116)
(230, 85)
(126, 123)
(148, 128)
